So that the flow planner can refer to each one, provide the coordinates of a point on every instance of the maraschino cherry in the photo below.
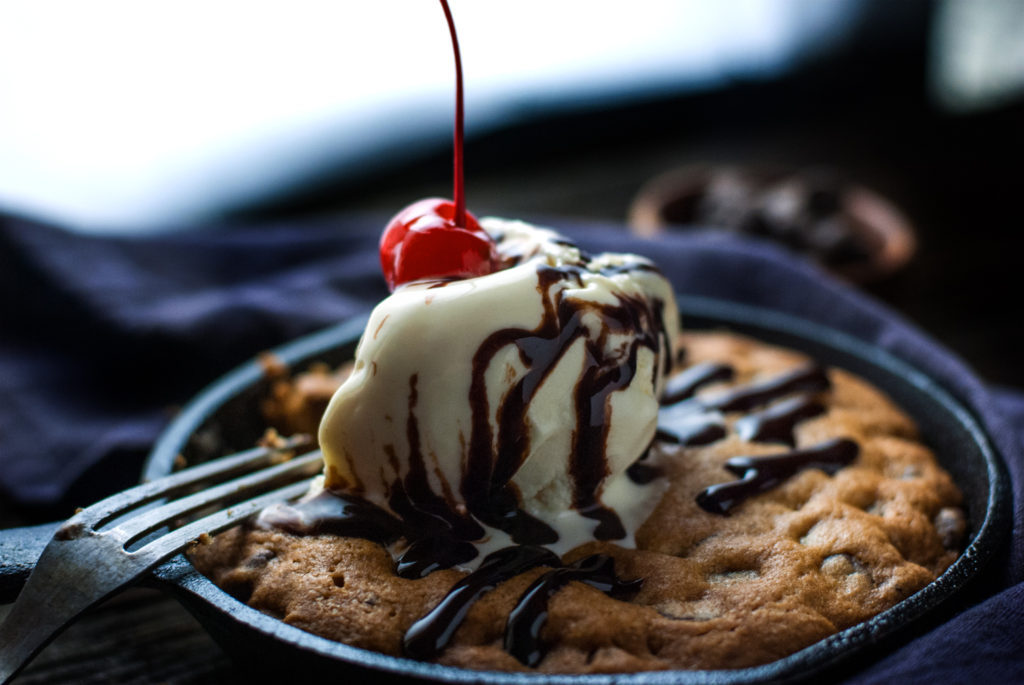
(435, 239)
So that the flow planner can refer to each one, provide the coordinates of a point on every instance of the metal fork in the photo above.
(101, 549)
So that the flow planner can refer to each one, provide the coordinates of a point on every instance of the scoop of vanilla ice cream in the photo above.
(531, 389)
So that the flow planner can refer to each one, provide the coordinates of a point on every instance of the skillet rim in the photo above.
(183, 580)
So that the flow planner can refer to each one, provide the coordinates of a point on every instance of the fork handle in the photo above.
(19, 551)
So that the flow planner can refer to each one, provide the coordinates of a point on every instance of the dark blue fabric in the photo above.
(100, 338)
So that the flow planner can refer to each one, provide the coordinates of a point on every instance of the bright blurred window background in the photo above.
(121, 115)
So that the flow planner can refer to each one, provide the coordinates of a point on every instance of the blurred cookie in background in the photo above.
(847, 228)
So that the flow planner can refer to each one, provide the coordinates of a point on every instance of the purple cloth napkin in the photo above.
(101, 338)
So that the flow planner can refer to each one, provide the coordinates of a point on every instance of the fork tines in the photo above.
(108, 545)
(126, 516)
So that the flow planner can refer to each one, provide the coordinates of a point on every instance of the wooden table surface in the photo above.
(140, 637)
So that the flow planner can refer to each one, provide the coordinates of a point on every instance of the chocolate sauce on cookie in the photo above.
(683, 385)
(692, 434)
(432, 544)
(428, 554)
(522, 631)
(641, 473)
(776, 424)
(428, 637)
(692, 421)
(759, 474)
(810, 378)
(331, 513)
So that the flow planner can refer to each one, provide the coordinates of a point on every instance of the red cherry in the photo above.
(433, 239)
(423, 242)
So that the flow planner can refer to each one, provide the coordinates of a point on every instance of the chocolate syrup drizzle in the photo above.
(776, 424)
(522, 631)
(494, 459)
(415, 501)
(347, 515)
(334, 513)
(683, 385)
(810, 378)
(642, 473)
(430, 635)
(428, 554)
(438, 536)
(759, 474)
(691, 421)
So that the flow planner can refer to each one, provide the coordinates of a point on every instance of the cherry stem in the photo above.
(459, 190)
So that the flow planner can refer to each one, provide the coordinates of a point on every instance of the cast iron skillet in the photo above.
(225, 418)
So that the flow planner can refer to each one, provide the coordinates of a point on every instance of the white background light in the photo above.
(122, 113)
